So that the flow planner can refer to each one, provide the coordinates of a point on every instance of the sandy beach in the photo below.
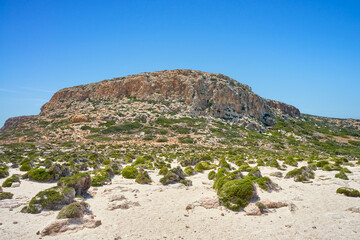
(160, 212)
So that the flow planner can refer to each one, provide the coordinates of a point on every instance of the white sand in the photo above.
(320, 212)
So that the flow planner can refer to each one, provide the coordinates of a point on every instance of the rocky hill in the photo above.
(173, 107)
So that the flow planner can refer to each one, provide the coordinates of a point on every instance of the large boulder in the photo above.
(50, 199)
(81, 182)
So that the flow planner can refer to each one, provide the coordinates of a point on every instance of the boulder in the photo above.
(70, 225)
(173, 176)
(252, 209)
(81, 182)
(59, 171)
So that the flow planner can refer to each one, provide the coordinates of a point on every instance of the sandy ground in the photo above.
(320, 213)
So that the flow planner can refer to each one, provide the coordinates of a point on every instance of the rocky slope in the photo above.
(171, 107)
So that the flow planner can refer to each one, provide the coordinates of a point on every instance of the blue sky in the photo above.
(305, 53)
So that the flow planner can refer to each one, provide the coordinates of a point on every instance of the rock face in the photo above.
(15, 121)
(207, 93)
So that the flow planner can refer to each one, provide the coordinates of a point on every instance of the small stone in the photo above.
(15, 184)
(222, 214)
(15, 222)
(252, 209)
(189, 207)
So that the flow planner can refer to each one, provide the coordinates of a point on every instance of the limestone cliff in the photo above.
(206, 93)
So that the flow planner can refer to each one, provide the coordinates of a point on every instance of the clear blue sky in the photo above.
(305, 53)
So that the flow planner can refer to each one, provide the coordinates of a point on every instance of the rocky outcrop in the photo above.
(15, 121)
(207, 93)
(284, 108)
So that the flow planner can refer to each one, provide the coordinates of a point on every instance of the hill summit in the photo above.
(204, 93)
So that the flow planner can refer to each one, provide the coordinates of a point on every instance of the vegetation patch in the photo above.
(236, 194)
(74, 210)
(349, 192)
(50, 199)
(9, 181)
(130, 172)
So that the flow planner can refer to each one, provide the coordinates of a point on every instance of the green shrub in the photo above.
(50, 199)
(102, 176)
(186, 182)
(25, 167)
(265, 183)
(201, 166)
(81, 182)
(6, 195)
(236, 194)
(148, 138)
(9, 181)
(4, 172)
(125, 127)
(40, 175)
(143, 178)
(341, 175)
(322, 163)
(106, 162)
(224, 164)
(245, 167)
(74, 210)
(163, 171)
(129, 172)
(350, 192)
(163, 139)
(211, 175)
(189, 170)
(186, 140)
(291, 161)
(303, 174)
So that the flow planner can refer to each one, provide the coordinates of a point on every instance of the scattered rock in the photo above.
(354, 209)
(271, 204)
(276, 174)
(116, 197)
(15, 184)
(122, 205)
(252, 209)
(70, 225)
(206, 202)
